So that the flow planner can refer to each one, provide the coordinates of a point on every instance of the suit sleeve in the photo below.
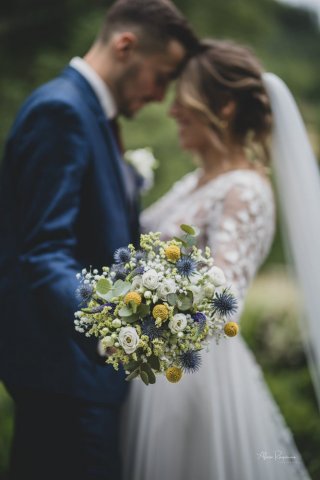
(50, 157)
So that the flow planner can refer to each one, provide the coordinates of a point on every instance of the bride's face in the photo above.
(194, 133)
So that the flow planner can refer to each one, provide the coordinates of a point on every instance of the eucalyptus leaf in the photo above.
(154, 362)
(190, 295)
(188, 229)
(103, 286)
(172, 299)
(125, 312)
(108, 296)
(184, 303)
(143, 310)
(133, 318)
(151, 376)
(144, 377)
(133, 374)
(120, 288)
(132, 365)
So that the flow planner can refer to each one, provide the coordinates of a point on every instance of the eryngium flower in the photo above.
(200, 319)
(186, 266)
(140, 255)
(190, 361)
(150, 329)
(122, 255)
(84, 292)
(225, 304)
(120, 272)
(138, 270)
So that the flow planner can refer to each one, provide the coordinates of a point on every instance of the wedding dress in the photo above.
(220, 423)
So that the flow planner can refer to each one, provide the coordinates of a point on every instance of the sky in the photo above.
(311, 4)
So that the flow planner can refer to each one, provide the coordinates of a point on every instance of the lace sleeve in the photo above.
(240, 235)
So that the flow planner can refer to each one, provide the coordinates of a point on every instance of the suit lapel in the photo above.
(89, 101)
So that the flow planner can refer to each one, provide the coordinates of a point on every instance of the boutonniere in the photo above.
(144, 162)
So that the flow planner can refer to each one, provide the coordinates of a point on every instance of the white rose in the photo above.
(194, 279)
(150, 279)
(216, 276)
(178, 323)
(144, 162)
(198, 293)
(166, 287)
(136, 283)
(128, 339)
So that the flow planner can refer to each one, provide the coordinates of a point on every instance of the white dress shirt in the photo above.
(99, 87)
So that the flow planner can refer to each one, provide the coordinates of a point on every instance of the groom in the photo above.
(67, 201)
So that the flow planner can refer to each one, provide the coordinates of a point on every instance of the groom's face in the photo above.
(147, 77)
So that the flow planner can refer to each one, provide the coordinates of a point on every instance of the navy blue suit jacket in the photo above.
(63, 207)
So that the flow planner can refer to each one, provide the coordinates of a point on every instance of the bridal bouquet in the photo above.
(156, 308)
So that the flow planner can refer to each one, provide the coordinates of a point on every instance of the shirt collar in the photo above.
(99, 87)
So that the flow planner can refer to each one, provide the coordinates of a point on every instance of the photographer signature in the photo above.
(277, 456)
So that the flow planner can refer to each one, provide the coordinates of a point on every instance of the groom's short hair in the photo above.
(156, 22)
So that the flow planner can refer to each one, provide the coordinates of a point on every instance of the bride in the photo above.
(220, 423)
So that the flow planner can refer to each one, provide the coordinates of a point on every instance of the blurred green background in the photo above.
(38, 38)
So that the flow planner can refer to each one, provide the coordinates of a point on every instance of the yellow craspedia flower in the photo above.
(133, 297)
(160, 311)
(231, 329)
(173, 253)
(174, 374)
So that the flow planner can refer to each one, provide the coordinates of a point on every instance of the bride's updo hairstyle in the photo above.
(221, 72)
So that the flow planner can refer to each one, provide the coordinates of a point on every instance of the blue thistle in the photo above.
(190, 361)
(84, 292)
(122, 255)
(200, 319)
(186, 266)
(120, 272)
(224, 303)
(140, 255)
(139, 270)
(150, 329)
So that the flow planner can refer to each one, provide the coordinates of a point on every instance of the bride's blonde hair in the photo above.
(224, 71)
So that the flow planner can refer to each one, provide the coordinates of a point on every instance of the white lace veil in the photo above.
(298, 187)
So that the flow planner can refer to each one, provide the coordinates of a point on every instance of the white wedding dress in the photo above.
(220, 423)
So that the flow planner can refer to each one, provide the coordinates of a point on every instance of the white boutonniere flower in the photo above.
(144, 162)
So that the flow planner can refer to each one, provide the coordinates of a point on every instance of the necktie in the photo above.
(114, 124)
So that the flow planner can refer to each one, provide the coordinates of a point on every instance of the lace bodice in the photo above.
(235, 214)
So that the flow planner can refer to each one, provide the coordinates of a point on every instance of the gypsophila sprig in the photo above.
(156, 308)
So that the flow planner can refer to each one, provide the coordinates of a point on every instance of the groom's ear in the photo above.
(123, 44)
